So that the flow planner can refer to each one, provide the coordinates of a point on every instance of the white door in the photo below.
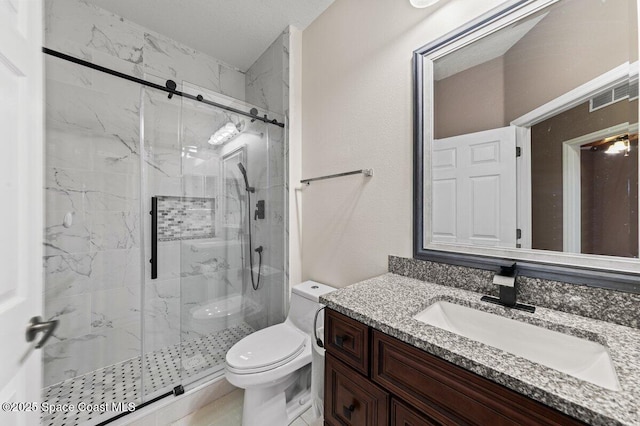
(474, 188)
(21, 222)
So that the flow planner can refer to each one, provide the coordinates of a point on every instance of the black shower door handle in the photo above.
(154, 238)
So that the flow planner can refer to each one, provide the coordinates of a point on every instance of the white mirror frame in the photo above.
(595, 270)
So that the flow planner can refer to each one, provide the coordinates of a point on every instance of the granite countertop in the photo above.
(389, 302)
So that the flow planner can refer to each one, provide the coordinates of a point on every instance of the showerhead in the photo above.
(246, 180)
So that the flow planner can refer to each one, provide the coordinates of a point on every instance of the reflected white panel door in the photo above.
(474, 188)
(21, 218)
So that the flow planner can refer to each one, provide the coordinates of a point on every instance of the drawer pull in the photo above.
(339, 340)
(347, 411)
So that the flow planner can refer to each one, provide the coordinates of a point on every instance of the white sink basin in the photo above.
(581, 358)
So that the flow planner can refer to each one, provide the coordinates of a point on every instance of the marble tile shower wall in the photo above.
(92, 243)
(267, 86)
(85, 31)
(267, 80)
(92, 237)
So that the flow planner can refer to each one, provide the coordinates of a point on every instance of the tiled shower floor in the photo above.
(122, 382)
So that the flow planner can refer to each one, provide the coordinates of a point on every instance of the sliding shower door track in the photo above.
(169, 88)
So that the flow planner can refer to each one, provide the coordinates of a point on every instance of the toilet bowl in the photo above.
(219, 314)
(273, 365)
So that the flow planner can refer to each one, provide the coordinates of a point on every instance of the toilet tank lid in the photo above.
(311, 290)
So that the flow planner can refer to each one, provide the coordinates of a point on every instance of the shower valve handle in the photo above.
(259, 213)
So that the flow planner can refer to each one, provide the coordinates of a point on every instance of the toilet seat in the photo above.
(266, 349)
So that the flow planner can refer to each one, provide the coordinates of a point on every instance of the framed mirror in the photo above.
(526, 142)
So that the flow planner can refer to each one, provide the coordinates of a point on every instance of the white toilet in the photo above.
(219, 314)
(273, 365)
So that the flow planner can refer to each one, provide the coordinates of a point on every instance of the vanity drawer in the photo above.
(351, 399)
(450, 394)
(403, 415)
(348, 340)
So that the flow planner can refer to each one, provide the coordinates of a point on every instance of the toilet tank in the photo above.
(304, 304)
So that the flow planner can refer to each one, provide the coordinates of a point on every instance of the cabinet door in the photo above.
(348, 340)
(351, 399)
(402, 415)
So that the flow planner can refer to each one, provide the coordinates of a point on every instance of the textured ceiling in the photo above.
(234, 31)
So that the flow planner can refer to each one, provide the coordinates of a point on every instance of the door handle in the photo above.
(35, 326)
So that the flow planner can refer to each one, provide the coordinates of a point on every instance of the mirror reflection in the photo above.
(535, 133)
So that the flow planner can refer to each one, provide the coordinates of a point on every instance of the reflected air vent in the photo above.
(601, 100)
(633, 90)
(621, 92)
(613, 95)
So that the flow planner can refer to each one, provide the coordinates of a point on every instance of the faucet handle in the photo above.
(507, 276)
(504, 280)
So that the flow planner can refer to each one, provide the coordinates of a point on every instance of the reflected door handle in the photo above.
(36, 325)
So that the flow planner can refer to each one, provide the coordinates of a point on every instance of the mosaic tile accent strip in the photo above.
(121, 382)
(597, 303)
(186, 218)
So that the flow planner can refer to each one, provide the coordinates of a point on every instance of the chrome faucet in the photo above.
(506, 280)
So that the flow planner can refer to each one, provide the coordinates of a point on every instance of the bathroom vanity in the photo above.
(384, 366)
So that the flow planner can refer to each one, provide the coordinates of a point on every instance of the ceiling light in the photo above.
(226, 133)
(621, 145)
(422, 3)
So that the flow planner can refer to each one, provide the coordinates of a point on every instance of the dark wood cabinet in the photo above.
(387, 381)
(351, 399)
(403, 415)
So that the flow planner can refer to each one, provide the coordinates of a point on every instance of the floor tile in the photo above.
(122, 382)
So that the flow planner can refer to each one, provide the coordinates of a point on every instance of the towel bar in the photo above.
(366, 172)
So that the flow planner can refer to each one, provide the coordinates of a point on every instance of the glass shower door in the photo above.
(226, 223)
(92, 240)
(162, 179)
(203, 299)
(111, 148)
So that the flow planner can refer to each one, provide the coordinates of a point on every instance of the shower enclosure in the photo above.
(147, 235)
